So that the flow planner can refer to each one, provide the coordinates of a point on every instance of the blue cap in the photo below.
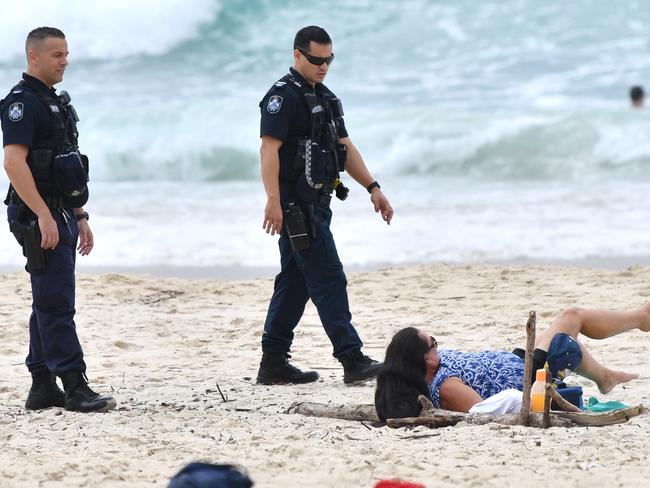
(563, 353)
(71, 177)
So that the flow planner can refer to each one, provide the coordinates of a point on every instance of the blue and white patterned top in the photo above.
(487, 372)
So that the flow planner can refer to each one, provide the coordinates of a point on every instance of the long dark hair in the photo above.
(401, 378)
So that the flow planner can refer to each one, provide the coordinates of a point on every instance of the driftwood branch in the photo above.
(528, 367)
(426, 404)
(605, 418)
(446, 418)
(433, 418)
(345, 412)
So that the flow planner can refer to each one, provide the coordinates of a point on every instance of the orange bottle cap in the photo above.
(540, 375)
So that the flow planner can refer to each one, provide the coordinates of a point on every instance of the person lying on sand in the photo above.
(456, 380)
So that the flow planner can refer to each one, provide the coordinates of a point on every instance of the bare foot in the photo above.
(615, 378)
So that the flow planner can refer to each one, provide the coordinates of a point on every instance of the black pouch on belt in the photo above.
(294, 225)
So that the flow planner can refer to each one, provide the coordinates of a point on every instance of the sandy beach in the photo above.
(162, 345)
(503, 135)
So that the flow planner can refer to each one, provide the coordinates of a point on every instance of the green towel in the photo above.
(595, 406)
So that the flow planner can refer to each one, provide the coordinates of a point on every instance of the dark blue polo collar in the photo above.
(38, 85)
(301, 79)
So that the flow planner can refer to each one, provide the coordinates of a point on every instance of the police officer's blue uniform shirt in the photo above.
(284, 111)
(315, 273)
(24, 117)
(53, 344)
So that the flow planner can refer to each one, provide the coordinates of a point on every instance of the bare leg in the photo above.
(605, 378)
(596, 324)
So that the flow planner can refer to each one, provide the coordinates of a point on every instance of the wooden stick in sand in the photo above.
(528, 368)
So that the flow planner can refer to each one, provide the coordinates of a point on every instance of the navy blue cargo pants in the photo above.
(315, 273)
(53, 342)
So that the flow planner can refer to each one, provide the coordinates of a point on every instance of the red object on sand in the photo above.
(397, 484)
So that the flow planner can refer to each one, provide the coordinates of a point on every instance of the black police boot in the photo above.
(357, 367)
(80, 398)
(276, 370)
(44, 393)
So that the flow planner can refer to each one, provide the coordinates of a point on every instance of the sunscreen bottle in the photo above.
(538, 391)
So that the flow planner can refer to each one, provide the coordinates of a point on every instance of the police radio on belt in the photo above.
(294, 224)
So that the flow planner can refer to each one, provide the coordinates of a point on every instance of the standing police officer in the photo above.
(45, 210)
(304, 147)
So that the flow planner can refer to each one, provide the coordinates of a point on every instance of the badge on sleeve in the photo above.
(16, 111)
(275, 102)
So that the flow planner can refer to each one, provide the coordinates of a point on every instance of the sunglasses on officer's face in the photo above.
(317, 60)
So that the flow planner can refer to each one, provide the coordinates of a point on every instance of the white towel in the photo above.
(507, 401)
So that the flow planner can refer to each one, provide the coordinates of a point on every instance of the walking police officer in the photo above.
(304, 147)
(45, 202)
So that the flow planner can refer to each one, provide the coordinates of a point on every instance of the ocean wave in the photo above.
(108, 30)
(450, 88)
(512, 146)
(545, 146)
(208, 164)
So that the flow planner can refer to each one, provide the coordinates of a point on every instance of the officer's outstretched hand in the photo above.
(381, 205)
(86, 240)
(272, 217)
(49, 231)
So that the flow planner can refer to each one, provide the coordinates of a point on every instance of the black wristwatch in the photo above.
(83, 215)
(372, 186)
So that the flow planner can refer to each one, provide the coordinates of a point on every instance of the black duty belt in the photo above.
(289, 188)
(52, 202)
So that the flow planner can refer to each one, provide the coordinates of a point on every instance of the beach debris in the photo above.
(160, 296)
(223, 397)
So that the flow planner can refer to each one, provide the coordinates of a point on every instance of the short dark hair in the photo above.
(401, 378)
(636, 93)
(42, 33)
(310, 33)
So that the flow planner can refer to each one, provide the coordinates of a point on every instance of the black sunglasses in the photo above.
(317, 60)
(434, 343)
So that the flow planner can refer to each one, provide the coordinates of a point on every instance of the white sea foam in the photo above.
(108, 30)
(220, 224)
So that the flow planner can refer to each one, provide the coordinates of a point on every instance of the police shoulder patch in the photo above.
(274, 104)
(16, 111)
